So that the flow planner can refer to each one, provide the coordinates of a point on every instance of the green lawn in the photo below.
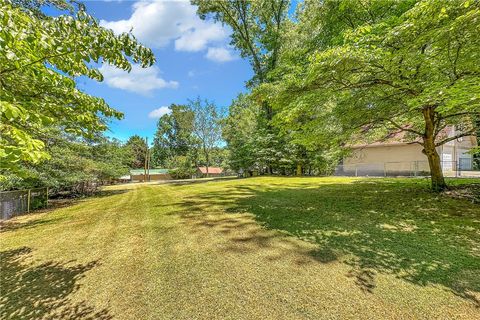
(258, 248)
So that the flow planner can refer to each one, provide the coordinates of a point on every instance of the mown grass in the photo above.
(259, 248)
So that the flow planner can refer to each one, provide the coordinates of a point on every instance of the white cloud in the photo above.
(158, 113)
(197, 38)
(219, 54)
(139, 80)
(156, 24)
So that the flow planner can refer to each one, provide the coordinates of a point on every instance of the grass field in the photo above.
(258, 248)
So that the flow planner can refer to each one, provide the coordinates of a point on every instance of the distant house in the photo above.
(212, 172)
(397, 155)
(154, 175)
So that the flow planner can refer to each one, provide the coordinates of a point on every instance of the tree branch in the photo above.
(475, 113)
(36, 61)
(460, 135)
(417, 142)
(243, 16)
(245, 37)
(403, 128)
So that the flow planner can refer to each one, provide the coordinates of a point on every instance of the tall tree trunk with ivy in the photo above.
(430, 150)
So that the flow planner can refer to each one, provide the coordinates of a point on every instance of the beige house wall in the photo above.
(400, 158)
(385, 153)
(378, 159)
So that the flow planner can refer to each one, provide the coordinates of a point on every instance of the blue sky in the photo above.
(193, 59)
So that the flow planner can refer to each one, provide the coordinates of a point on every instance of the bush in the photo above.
(184, 168)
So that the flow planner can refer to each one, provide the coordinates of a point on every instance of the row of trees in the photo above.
(75, 165)
(341, 69)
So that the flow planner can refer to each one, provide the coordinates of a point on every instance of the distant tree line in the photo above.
(75, 163)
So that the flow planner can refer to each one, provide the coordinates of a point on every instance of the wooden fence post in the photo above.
(28, 200)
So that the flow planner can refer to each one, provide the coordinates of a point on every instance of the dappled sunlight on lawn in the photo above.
(394, 227)
(266, 247)
(41, 291)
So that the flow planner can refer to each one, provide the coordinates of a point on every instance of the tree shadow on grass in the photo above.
(379, 226)
(101, 193)
(41, 220)
(8, 226)
(42, 291)
(109, 193)
(195, 181)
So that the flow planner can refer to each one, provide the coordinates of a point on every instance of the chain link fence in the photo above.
(469, 164)
(14, 203)
(464, 168)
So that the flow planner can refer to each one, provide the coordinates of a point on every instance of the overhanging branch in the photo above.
(466, 113)
(460, 135)
(416, 142)
(403, 128)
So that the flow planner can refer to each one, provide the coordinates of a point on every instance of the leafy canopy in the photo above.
(206, 126)
(174, 135)
(40, 57)
(73, 163)
(399, 65)
(257, 27)
(138, 148)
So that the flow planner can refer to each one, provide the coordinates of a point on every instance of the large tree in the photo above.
(137, 146)
(257, 28)
(40, 57)
(174, 136)
(414, 68)
(207, 126)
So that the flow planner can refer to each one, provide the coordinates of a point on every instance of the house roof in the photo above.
(152, 171)
(210, 170)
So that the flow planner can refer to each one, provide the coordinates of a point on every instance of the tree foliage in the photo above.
(257, 28)
(74, 163)
(207, 126)
(410, 66)
(40, 57)
(174, 136)
(138, 149)
(189, 136)
(238, 131)
(258, 33)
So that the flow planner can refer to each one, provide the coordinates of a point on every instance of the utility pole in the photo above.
(146, 161)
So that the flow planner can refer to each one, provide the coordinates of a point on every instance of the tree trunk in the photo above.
(429, 148)
(299, 169)
(208, 160)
